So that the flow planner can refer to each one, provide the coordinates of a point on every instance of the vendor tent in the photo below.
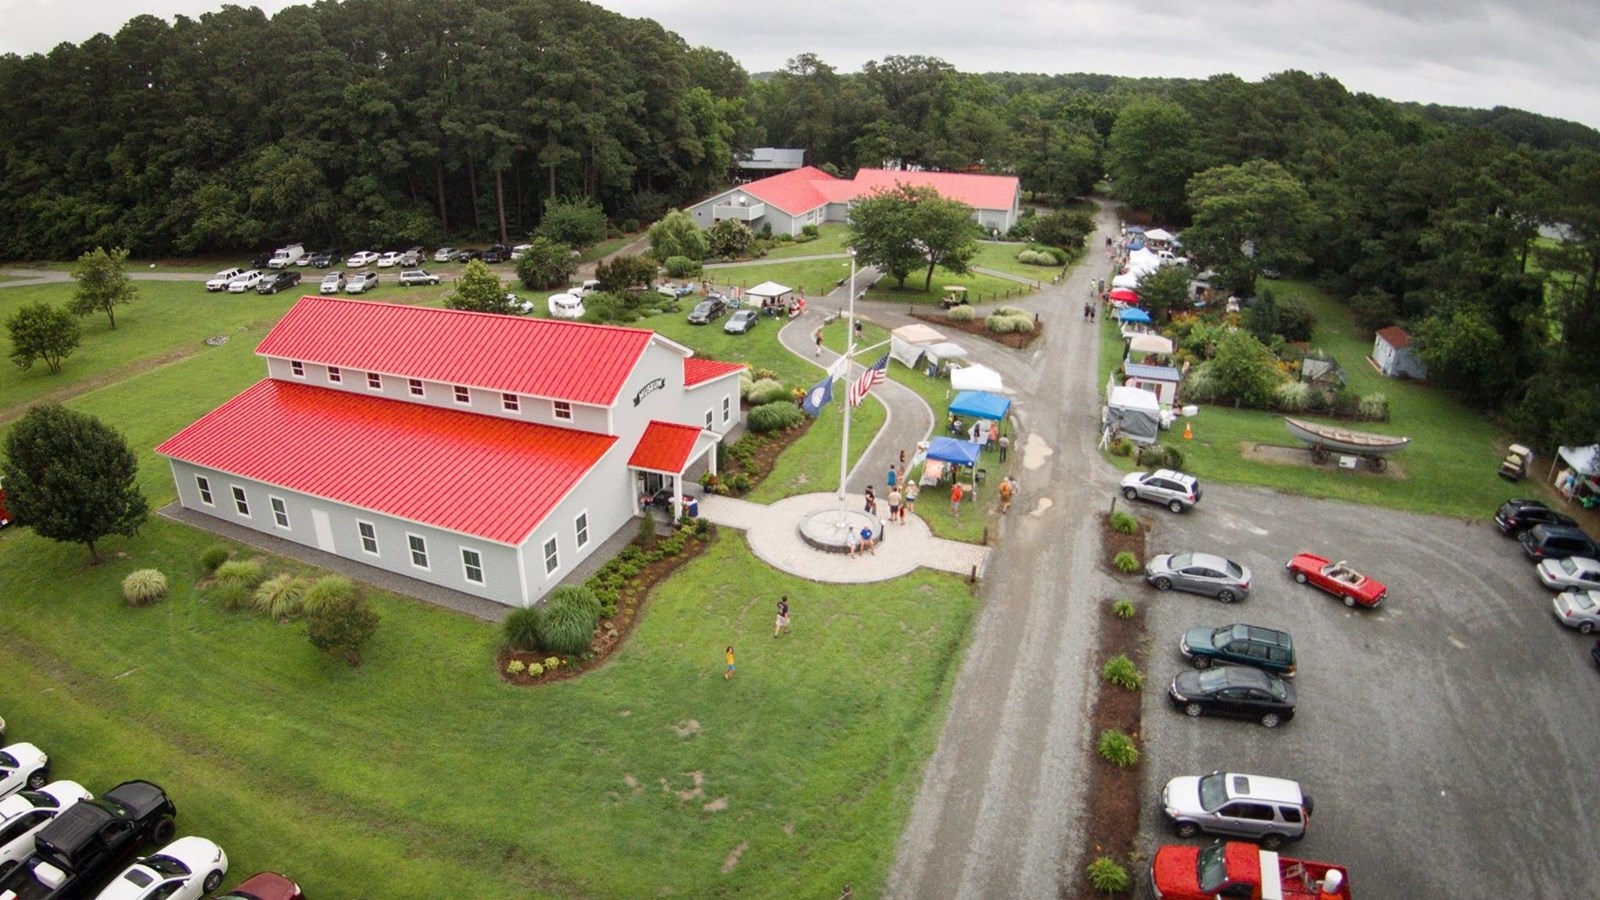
(976, 378)
(1143, 261)
(1133, 314)
(1150, 343)
(1158, 234)
(768, 290)
(950, 450)
(1583, 460)
(945, 350)
(1135, 413)
(908, 342)
(1126, 295)
(980, 405)
(1134, 229)
(1126, 280)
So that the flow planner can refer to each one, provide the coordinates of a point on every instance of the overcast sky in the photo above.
(1539, 55)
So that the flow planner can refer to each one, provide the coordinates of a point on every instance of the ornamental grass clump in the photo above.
(567, 625)
(521, 628)
(961, 314)
(1118, 748)
(1123, 609)
(246, 573)
(1124, 522)
(1108, 876)
(282, 596)
(1125, 562)
(1120, 671)
(214, 555)
(330, 589)
(774, 416)
(144, 587)
(766, 390)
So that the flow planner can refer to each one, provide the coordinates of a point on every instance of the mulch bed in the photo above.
(1115, 541)
(1016, 340)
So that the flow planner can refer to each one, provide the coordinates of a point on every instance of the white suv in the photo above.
(1269, 810)
(1168, 487)
(245, 281)
(220, 281)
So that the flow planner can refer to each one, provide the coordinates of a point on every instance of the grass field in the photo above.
(811, 278)
(1002, 257)
(981, 289)
(830, 239)
(1449, 467)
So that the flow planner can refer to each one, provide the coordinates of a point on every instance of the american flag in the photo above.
(863, 385)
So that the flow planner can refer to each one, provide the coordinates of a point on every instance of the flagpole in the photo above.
(849, 351)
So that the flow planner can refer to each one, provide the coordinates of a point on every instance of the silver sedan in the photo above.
(1579, 609)
(1199, 573)
(1574, 573)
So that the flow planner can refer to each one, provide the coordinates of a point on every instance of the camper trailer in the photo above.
(565, 306)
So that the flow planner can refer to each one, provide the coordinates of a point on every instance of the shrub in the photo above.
(1120, 671)
(1118, 748)
(681, 266)
(245, 573)
(535, 670)
(1121, 447)
(1108, 876)
(961, 314)
(577, 595)
(1012, 311)
(566, 626)
(520, 629)
(1126, 562)
(1295, 319)
(1037, 258)
(739, 481)
(1123, 609)
(329, 589)
(1374, 407)
(810, 231)
(999, 323)
(230, 594)
(766, 390)
(280, 596)
(214, 555)
(343, 626)
(143, 587)
(774, 416)
(515, 667)
(551, 662)
(1345, 401)
(647, 531)
(1124, 522)
(1292, 396)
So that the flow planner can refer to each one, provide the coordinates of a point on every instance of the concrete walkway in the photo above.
(774, 536)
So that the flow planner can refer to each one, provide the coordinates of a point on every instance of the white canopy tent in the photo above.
(1150, 343)
(977, 377)
(769, 290)
(1158, 234)
(1143, 262)
(945, 350)
(908, 342)
(1126, 280)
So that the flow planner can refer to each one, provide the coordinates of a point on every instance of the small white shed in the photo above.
(1394, 354)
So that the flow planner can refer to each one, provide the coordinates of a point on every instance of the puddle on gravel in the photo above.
(1035, 452)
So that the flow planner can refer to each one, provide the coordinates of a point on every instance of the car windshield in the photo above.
(1277, 689)
(1568, 566)
(1213, 869)
(1233, 570)
(1213, 791)
(38, 799)
(167, 865)
(1583, 601)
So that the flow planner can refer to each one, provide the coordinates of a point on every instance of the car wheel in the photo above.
(1175, 506)
(1202, 662)
(1271, 720)
(1300, 577)
(1349, 601)
(1226, 596)
(1130, 493)
(163, 830)
(38, 779)
(1271, 841)
(212, 882)
(1193, 710)
(1186, 829)
(1163, 584)
(1584, 628)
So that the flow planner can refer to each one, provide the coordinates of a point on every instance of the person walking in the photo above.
(1005, 444)
(871, 505)
(909, 501)
(727, 674)
(782, 625)
(1088, 310)
(1006, 493)
(892, 478)
(818, 338)
(895, 499)
(955, 499)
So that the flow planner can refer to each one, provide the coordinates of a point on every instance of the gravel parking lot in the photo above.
(1444, 736)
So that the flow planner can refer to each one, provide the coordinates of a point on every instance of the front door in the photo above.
(324, 529)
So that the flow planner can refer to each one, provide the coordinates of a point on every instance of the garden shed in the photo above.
(1394, 354)
(1322, 372)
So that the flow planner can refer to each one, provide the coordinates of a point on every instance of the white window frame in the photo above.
(204, 484)
(280, 512)
(374, 381)
(412, 552)
(467, 567)
(368, 538)
(552, 556)
(463, 394)
(415, 385)
(727, 409)
(297, 368)
(510, 402)
(561, 409)
(241, 500)
(580, 529)
(335, 375)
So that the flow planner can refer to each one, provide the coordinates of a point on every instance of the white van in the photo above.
(286, 256)
(588, 287)
(565, 306)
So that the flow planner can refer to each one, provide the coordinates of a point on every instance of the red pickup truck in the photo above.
(1241, 870)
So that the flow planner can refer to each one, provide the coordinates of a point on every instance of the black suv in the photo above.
(706, 310)
(1517, 516)
(1557, 542)
(497, 253)
(324, 259)
(274, 282)
(1247, 645)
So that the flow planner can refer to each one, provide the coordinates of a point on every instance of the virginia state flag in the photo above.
(818, 396)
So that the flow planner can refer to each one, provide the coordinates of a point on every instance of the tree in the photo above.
(70, 477)
(1244, 369)
(574, 221)
(730, 238)
(1063, 228)
(342, 625)
(102, 285)
(1164, 290)
(546, 264)
(41, 331)
(901, 228)
(1150, 156)
(1248, 217)
(1261, 318)
(625, 273)
(944, 227)
(479, 290)
(1462, 350)
(676, 234)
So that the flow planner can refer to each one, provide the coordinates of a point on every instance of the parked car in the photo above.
(411, 258)
(332, 283)
(22, 765)
(1269, 810)
(22, 815)
(361, 282)
(388, 259)
(264, 261)
(1578, 609)
(1236, 692)
(1199, 573)
(245, 281)
(85, 841)
(1246, 645)
(589, 286)
(462, 256)
(563, 306)
(361, 258)
(1338, 579)
(185, 869)
(417, 276)
(742, 321)
(1543, 542)
(277, 281)
(675, 291)
(707, 310)
(265, 886)
(219, 282)
(520, 250)
(1168, 487)
(497, 253)
(1573, 573)
(444, 254)
(1516, 516)
(324, 259)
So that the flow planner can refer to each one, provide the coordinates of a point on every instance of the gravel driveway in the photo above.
(1444, 736)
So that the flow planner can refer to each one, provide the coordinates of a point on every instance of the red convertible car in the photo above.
(1337, 579)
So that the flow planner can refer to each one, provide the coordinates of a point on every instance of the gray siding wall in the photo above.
(606, 496)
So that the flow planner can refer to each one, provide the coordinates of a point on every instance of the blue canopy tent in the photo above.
(950, 452)
(1136, 244)
(1134, 229)
(1133, 314)
(980, 405)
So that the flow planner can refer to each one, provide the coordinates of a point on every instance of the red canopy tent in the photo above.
(1124, 295)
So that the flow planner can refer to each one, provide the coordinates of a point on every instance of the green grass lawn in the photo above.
(830, 239)
(605, 248)
(812, 278)
(1449, 466)
(981, 289)
(1002, 257)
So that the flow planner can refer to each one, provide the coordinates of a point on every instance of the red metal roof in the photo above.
(698, 371)
(485, 476)
(1395, 336)
(793, 192)
(664, 447)
(977, 191)
(539, 357)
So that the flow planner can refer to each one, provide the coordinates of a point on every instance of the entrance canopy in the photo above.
(980, 405)
(976, 378)
(950, 450)
(769, 290)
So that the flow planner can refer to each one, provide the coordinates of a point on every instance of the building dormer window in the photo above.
(463, 395)
(562, 409)
(374, 381)
(510, 402)
(416, 386)
(298, 368)
(335, 376)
